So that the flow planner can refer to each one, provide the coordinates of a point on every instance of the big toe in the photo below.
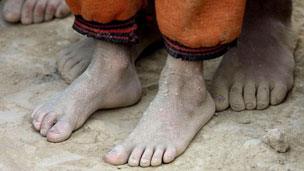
(118, 155)
(12, 10)
(61, 131)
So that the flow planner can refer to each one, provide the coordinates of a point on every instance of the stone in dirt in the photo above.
(277, 140)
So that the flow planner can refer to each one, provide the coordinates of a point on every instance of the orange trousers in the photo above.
(192, 29)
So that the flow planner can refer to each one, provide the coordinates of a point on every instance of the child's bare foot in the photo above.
(181, 107)
(110, 81)
(75, 59)
(259, 72)
(34, 11)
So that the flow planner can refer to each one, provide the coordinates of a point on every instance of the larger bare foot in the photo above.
(110, 81)
(181, 107)
(260, 72)
(34, 11)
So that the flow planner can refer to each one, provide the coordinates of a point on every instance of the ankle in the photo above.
(185, 67)
(185, 78)
(113, 57)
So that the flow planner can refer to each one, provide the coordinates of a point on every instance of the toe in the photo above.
(263, 96)
(39, 11)
(12, 10)
(27, 11)
(61, 131)
(64, 57)
(71, 62)
(51, 9)
(220, 94)
(157, 158)
(145, 160)
(118, 155)
(278, 93)
(62, 10)
(169, 155)
(236, 97)
(38, 116)
(135, 156)
(250, 95)
(76, 70)
(48, 121)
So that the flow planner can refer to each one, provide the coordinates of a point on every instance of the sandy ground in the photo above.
(230, 141)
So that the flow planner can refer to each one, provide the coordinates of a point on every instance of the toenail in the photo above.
(111, 151)
(54, 131)
(144, 161)
(220, 98)
(237, 107)
(133, 162)
(262, 106)
(249, 105)
(36, 124)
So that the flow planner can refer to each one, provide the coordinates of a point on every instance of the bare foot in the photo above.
(75, 59)
(260, 72)
(179, 110)
(34, 11)
(110, 81)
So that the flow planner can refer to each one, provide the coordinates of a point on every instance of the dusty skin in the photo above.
(230, 141)
(33, 11)
(110, 81)
(180, 109)
(260, 71)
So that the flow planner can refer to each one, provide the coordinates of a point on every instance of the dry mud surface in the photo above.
(230, 141)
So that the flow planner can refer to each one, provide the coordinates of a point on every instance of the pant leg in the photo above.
(109, 20)
(200, 29)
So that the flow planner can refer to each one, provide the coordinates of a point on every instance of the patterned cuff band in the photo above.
(116, 31)
(180, 51)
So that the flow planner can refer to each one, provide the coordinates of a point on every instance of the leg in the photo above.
(182, 105)
(259, 72)
(34, 11)
(109, 81)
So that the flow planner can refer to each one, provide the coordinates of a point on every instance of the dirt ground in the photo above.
(230, 141)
